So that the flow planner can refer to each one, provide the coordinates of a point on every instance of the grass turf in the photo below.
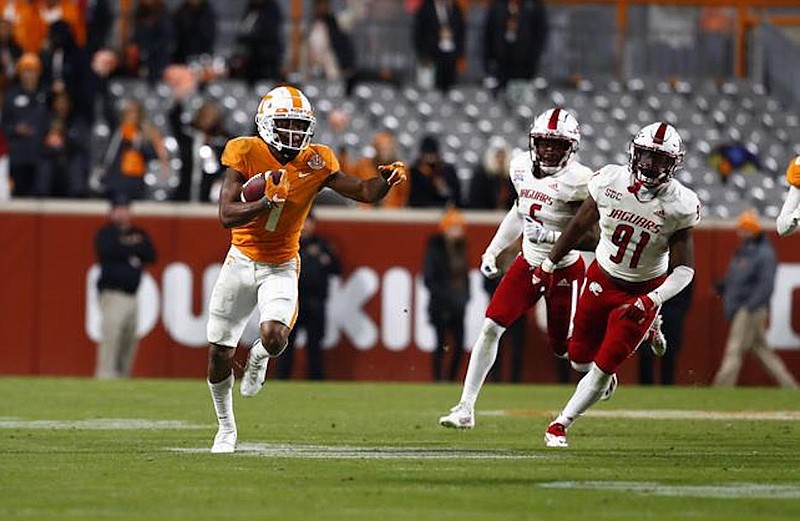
(80, 470)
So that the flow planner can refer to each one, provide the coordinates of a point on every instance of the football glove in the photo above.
(277, 188)
(393, 174)
(536, 232)
(639, 308)
(489, 266)
(543, 276)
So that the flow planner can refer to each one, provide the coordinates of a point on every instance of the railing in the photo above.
(686, 38)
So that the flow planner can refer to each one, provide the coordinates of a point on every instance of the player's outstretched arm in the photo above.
(368, 190)
(584, 222)
(789, 219)
(232, 211)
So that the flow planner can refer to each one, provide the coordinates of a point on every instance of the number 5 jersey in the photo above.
(551, 200)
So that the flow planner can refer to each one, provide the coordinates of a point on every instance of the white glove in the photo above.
(489, 266)
(536, 232)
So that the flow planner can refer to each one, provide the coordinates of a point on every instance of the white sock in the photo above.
(222, 396)
(581, 368)
(483, 355)
(260, 352)
(588, 391)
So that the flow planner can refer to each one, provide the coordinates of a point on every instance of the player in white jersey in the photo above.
(789, 218)
(550, 186)
(646, 219)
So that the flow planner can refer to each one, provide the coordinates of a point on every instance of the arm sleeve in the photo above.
(675, 282)
(508, 231)
(790, 212)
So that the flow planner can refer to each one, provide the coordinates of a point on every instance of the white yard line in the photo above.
(111, 424)
(720, 490)
(282, 450)
(659, 414)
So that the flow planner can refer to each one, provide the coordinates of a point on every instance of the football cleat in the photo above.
(555, 435)
(255, 371)
(611, 389)
(224, 441)
(656, 338)
(460, 417)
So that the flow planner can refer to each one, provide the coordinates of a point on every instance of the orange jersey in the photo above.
(274, 236)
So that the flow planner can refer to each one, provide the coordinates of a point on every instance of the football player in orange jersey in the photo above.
(262, 265)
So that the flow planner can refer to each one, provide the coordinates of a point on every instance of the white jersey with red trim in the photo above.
(634, 234)
(549, 200)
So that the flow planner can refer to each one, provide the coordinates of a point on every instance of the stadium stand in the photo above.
(467, 116)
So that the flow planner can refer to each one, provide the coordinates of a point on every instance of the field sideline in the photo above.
(79, 449)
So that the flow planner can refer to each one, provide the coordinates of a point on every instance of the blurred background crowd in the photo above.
(140, 96)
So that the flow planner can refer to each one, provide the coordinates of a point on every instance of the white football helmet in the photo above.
(655, 154)
(553, 139)
(286, 104)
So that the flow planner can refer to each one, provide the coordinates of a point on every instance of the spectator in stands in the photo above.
(64, 166)
(122, 251)
(66, 11)
(25, 23)
(320, 263)
(490, 187)
(149, 52)
(259, 42)
(130, 147)
(195, 30)
(733, 157)
(5, 180)
(433, 181)
(329, 51)
(25, 117)
(446, 275)
(10, 51)
(384, 147)
(200, 146)
(746, 292)
(673, 313)
(66, 68)
(99, 22)
(439, 36)
(514, 38)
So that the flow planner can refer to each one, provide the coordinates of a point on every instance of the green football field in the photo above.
(88, 450)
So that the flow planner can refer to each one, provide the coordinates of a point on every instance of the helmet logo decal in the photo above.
(553, 123)
(658, 138)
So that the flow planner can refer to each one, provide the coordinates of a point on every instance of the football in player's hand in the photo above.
(253, 189)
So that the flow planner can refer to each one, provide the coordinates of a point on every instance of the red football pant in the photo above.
(600, 334)
(516, 294)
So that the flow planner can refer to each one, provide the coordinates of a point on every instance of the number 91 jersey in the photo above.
(550, 200)
(634, 234)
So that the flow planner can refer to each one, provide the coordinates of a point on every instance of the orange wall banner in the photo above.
(378, 327)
